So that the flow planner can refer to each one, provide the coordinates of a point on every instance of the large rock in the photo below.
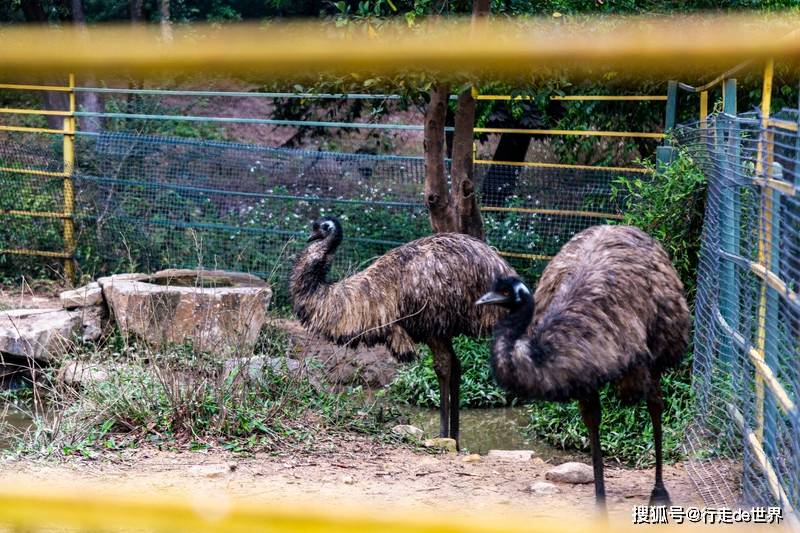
(571, 473)
(86, 296)
(370, 366)
(81, 373)
(41, 334)
(216, 311)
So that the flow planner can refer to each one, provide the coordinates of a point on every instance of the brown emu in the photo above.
(609, 308)
(423, 291)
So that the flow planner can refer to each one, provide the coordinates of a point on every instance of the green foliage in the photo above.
(669, 206)
(416, 383)
(626, 434)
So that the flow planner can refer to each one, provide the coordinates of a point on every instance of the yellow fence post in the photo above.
(763, 165)
(69, 191)
(703, 108)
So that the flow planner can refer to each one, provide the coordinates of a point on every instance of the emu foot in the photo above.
(660, 496)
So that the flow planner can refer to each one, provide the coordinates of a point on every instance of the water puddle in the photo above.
(12, 421)
(499, 428)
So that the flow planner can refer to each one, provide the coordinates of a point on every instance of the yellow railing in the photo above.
(68, 134)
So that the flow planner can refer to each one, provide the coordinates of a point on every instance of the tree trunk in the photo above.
(87, 101)
(437, 195)
(166, 23)
(137, 11)
(454, 208)
(465, 199)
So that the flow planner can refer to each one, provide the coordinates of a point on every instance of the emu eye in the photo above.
(505, 292)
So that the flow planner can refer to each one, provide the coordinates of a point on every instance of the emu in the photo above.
(420, 292)
(609, 308)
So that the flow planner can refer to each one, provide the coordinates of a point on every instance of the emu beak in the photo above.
(315, 236)
(491, 297)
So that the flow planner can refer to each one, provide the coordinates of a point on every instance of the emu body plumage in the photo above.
(609, 308)
(421, 292)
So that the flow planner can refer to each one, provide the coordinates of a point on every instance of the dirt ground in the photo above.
(349, 469)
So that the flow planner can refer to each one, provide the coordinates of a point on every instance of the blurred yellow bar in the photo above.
(602, 98)
(673, 43)
(565, 212)
(85, 508)
(561, 165)
(12, 111)
(586, 133)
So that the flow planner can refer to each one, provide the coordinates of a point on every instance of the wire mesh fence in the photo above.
(146, 202)
(747, 327)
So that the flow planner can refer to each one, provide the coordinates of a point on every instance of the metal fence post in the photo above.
(666, 153)
(763, 167)
(729, 224)
(69, 191)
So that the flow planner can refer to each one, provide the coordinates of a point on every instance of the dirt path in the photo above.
(352, 469)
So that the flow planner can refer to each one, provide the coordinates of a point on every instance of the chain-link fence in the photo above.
(146, 202)
(747, 327)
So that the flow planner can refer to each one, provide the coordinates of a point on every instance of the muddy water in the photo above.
(12, 421)
(482, 430)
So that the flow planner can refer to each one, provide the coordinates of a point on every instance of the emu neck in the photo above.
(514, 325)
(311, 270)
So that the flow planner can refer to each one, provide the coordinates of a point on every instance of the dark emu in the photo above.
(421, 292)
(609, 308)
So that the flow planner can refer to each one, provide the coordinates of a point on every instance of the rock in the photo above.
(571, 473)
(369, 366)
(211, 471)
(408, 431)
(80, 373)
(86, 296)
(542, 487)
(94, 321)
(442, 443)
(471, 458)
(42, 334)
(217, 311)
(511, 455)
(348, 480)
(254, 367)
(538, 461)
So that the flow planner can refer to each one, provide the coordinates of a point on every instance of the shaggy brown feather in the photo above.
(608, 305)
(423, 291)
(609, 308)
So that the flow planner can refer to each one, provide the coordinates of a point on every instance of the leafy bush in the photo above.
(416, 383)
(669, 206)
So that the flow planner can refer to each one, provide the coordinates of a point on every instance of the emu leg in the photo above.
(655, 405)
(442, 365)
(455, 390)
(591, 414)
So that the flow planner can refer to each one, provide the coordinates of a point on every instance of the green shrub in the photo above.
(669, 206)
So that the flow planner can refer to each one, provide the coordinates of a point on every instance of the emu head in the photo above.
(328, 230)
(508, 292)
